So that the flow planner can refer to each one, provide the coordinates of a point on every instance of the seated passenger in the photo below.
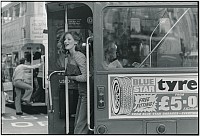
(110, 53)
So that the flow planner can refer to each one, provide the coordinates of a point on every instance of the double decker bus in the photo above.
(156, 89)
(22, 33)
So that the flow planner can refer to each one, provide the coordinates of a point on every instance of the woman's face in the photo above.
(69, 42)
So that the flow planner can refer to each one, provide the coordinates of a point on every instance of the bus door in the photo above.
(142, 73)
(36, 76)
(63, 93)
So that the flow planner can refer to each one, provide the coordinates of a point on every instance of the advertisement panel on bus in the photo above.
(152, 95)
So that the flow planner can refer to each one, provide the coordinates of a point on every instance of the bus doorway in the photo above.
(145, 72)
(35, 77)
(63, 99)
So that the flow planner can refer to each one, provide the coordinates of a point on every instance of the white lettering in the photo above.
(22, 124)
(29, 117)
(11, 118)
(143, 81)
(42, 123)
(143, 88)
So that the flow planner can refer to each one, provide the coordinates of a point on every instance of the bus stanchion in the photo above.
(88, 84)
(162, 38)
(67, 104)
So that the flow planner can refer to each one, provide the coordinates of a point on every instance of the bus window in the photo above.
(15, 59)
(10, 13)
(17, 11)
(8, 67)
(152, 37)
(5, 16)
(23, 8)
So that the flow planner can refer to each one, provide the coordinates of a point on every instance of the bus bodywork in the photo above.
(22, 33)
(156, 91)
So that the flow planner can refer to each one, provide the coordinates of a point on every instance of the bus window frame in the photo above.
(100, 57)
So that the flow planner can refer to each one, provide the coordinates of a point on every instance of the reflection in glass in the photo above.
(137, 31)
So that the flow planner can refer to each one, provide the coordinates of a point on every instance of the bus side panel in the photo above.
(118, 127)
(191, 127)
(55, 30)
(106, 123)
(56, 120)
(112, 126)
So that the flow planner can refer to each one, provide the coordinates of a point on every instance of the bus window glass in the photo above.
(24, 8)
(15, 59)
(17, 10)
(151, 36)
(11, 14)
(8, 67)
(5, 16)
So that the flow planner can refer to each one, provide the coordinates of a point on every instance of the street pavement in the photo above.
(23, 124)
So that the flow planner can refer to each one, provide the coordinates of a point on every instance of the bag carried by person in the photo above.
(72, 70)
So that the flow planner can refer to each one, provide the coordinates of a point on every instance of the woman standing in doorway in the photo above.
(70, 41)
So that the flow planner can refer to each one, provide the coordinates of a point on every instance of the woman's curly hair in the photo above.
(76, 37)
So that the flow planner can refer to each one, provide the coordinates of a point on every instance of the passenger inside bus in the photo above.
(167, 33)
(110, 53)
(133, 51)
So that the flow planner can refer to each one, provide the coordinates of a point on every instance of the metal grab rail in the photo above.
(67, 104)
(163, 38)
(43, 74)
(66, 96)
(88, 83)
(50, 95)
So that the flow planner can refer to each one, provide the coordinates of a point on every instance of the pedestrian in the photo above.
(19, 82)
(76, 61)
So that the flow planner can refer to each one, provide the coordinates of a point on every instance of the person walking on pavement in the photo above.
(20, 84)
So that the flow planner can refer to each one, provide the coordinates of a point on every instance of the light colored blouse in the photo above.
(114, 64)
(22, 69)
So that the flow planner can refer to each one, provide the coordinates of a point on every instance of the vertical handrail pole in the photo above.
(88, 83)
(43, 74)
(50, 98)
(67, 104)
(163, 38)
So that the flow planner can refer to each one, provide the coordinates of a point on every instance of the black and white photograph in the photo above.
(99, 67)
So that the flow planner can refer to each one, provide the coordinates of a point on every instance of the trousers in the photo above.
(81, 112)
(19, 86)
